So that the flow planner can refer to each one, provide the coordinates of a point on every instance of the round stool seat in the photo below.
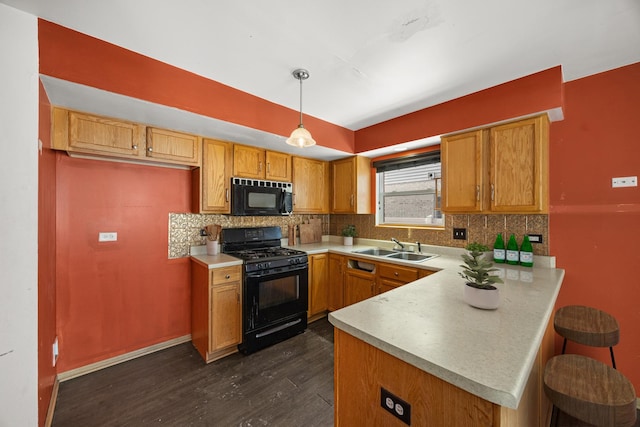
(590, 391)
(587, 325)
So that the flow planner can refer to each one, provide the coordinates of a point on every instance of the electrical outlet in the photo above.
(396, 406)
(54, 351)
(460, 234)
(624, 181)
(111, 236)
(535, 238)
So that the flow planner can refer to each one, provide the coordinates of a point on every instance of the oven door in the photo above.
(273, 296)
(254, 200)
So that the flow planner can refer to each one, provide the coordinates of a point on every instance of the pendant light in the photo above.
(300, 137)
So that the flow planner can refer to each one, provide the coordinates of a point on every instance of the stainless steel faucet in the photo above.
(394, 240)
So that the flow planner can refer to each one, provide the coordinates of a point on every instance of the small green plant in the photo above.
(477, 269)
(349, 231)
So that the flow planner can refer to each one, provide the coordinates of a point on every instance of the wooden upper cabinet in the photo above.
(519, 166)
(278, 166)
(500, 169)
(83, 133)
(351, 182)
(211, 183)
(462, 168)
(310, 189)
(248, 162)
(173, 147)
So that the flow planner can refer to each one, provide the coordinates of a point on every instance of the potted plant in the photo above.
(348, 233)
(479, 290)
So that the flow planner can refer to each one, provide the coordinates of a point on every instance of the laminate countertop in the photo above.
(427, 324)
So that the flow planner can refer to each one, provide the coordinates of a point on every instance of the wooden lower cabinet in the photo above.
(392, 276)
(361, 370)
(358, 285)
(216, 310)
(336, 282)
(318, 285)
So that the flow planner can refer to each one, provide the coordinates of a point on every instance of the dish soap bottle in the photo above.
(526, 252)
(512, 251)
(498, 250)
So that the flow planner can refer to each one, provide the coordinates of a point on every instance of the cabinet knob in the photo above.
(150, 149)
(135, 146)
(395, 273)
(228, 276)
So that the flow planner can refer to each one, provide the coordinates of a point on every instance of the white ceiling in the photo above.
(369, 60)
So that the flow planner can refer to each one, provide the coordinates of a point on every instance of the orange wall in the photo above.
(116, 297)
(76, 57)
(46, 259)
(528, 95)
(594, 229)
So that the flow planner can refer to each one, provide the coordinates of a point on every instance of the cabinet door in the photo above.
(215, 177)
(310, 189)
(358, 286)
(278, 166)
(97, 135)
(318, 283)
(518, 169)
(336, 282)
(248, 162)
(343, 179)
(226, 316)
(173, 147)
(462, 172)
(387, 285)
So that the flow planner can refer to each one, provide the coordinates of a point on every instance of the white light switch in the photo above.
(624, 181)
(111, 236)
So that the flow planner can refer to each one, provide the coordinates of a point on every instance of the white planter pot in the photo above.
(347, 240)
(487, 299)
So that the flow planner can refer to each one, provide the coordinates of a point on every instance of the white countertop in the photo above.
(427, 324)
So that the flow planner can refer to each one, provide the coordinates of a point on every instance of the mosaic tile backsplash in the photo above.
(184, 228)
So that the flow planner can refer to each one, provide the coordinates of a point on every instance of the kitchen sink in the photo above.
(410, 256)
(375, 252)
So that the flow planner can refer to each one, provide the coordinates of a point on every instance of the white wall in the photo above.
(18, 218)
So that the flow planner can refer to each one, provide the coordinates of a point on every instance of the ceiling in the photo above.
(369, 60)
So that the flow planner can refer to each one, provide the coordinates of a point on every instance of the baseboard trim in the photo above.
(52, 403)
(87, 369)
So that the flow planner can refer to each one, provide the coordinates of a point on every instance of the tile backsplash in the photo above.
(184, 228)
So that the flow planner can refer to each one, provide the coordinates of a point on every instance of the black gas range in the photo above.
(275, 285)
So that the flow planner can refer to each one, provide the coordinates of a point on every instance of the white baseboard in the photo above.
(87, 369)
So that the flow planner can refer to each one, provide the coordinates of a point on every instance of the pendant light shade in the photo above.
(300, 137)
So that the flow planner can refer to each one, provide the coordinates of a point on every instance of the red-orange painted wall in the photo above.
(76, 57)
(46, 259)
(116, 297)
(525, 96)
(595, 229)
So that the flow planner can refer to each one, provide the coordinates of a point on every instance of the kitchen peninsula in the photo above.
(454, 364)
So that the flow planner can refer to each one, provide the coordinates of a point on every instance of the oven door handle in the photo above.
(258, 275)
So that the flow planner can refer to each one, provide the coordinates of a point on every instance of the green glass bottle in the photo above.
(526, 252)
(498, 250)
(512, 251)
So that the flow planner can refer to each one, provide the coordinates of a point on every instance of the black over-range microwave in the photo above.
(260, 197)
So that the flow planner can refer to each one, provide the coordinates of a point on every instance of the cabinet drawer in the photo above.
(396, 272)
(222, 276)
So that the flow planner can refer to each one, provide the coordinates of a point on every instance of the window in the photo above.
(409, 190)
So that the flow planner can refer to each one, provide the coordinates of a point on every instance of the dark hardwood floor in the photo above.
(288, 384)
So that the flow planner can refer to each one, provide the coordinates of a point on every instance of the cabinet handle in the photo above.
(351, 200)
(226, 194)
(150, 149)
(259, 166)
(268, 167)
(293, 198)
(238, 297)
(492, 191)
(477, 193)
(228, 276)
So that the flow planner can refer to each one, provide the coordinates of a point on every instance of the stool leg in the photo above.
(564, 345)
(613, 360)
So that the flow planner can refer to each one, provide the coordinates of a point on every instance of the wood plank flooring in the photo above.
(287, 384)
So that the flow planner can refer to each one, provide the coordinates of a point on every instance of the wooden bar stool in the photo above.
(590, 391)
(588, 326)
